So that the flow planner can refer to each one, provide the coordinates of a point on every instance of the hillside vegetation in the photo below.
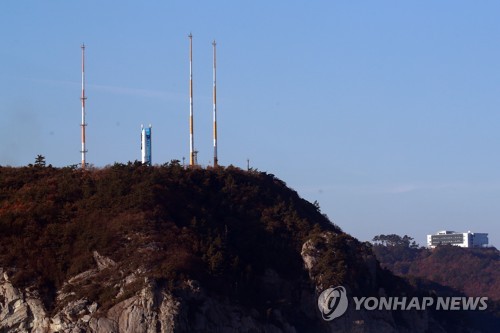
(475, 272)
(220, 226)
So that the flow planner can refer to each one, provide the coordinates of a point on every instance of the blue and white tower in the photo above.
(146, 145)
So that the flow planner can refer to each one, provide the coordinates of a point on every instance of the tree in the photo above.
(395, 240)
(40, 161)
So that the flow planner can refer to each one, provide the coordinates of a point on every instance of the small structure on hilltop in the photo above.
(146, 145)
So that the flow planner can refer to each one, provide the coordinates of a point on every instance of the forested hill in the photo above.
(473, 271)
(131, 248)
(215, 222)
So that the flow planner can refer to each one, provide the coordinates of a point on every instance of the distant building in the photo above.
(462, 239)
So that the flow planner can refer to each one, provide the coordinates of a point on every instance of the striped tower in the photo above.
(216, 161)
(83, 98)
(192, 153)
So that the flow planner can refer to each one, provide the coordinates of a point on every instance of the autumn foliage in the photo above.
(222, 226)
(473, 271)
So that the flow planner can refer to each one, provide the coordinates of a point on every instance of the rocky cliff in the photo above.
(154, 308)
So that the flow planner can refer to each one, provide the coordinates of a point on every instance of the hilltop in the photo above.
(130, 248)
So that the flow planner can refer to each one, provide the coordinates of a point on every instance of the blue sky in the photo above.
(386, 112)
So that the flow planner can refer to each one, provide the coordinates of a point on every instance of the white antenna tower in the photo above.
(216, 160)
(192, 152)
(83, 98)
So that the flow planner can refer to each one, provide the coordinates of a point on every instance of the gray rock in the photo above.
(154, 309)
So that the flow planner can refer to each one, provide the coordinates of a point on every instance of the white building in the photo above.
(464, 239)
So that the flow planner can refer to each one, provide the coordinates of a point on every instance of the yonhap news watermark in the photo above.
(333, 303)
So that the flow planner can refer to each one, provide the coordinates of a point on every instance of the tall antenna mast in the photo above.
(216, 161)
(192, 152)
(83, 98)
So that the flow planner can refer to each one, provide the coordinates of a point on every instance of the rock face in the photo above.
(20, 311)
(154, 309)
(150, 310)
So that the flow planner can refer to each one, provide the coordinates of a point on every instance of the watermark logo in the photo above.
(332, 303)
(421, 303)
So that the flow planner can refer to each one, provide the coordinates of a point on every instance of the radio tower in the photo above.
(216, 161)
(192, 152)
(83, 98)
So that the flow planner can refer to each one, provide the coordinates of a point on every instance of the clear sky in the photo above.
(386, 112)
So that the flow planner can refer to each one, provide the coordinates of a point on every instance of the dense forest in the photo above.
(221, 226)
